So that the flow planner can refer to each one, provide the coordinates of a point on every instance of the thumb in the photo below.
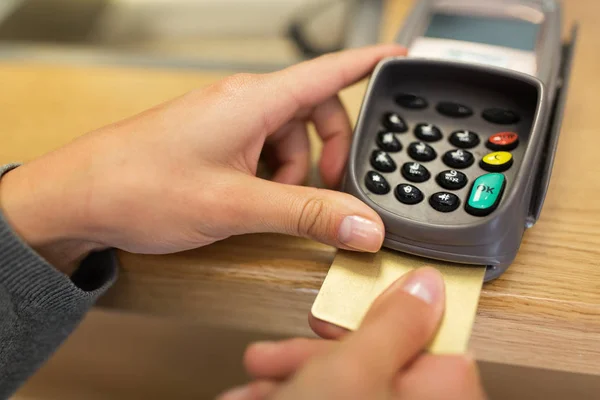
(327, 216)
(399, 325)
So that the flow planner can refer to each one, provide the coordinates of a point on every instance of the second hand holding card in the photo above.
(356, 280)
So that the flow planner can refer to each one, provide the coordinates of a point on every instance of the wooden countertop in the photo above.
(543, 313)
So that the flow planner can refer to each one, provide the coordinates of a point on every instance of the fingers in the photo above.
(454, 378)
(291, 150)
(280, 360)
(259, 390)
(331, 217)
(333, 126)
(312, 82)
(399, 324)
(325, 329)
(291, 147)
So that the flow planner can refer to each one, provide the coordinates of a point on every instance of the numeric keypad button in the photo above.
(458, 159)
(382, 162)
(408, 194)
(444, 202)
(411, 101)
(464, 139)
(415, 172)
(376, 183)
(421, 152)
(428, 132)
(452, 179)
(394, 122)
(387, 141)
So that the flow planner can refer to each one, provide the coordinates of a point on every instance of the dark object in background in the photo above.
(52, 20)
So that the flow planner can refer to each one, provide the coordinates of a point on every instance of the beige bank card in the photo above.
(355, 280)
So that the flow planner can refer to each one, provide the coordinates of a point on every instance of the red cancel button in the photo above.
(503, 141)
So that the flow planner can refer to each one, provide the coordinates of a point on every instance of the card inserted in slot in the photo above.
(355, 280)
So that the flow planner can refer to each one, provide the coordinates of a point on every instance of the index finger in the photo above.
(310, 83)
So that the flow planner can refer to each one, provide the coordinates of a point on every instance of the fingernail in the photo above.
(427, 284)
(238, 393)
(361, 234)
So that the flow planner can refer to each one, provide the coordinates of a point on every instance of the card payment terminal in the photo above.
(455, 142)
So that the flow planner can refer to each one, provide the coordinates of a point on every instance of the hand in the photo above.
(182, 175)
(383, 359)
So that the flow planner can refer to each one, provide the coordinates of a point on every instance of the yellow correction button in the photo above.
(498, 161)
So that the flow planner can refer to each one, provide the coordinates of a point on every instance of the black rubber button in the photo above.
(382, 162)
(411, 101)
(408, 194)
(444, 202)
(428, 132)
(376, 183)
(421, 152)
(452, 179)
(458, 159)
(394, 122)
(387, 141)
(464, 139)
(454, 110)
(500, 116)
(415, 172)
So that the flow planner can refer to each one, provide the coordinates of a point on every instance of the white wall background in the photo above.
(172, 18)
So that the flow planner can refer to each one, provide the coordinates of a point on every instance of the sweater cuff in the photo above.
(28, 276)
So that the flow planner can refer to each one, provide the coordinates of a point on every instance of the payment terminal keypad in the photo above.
(437, 157)
(454, 157)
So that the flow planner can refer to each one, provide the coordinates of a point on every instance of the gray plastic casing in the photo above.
(554, 61)
(548, 45)
(493, 240)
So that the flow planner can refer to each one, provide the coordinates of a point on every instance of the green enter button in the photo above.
(486, 194)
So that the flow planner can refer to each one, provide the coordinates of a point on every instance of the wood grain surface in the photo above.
(544, 312)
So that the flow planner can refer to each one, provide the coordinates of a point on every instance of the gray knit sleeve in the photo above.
(40, 306)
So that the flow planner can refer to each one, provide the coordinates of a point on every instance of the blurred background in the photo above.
(257, 35)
